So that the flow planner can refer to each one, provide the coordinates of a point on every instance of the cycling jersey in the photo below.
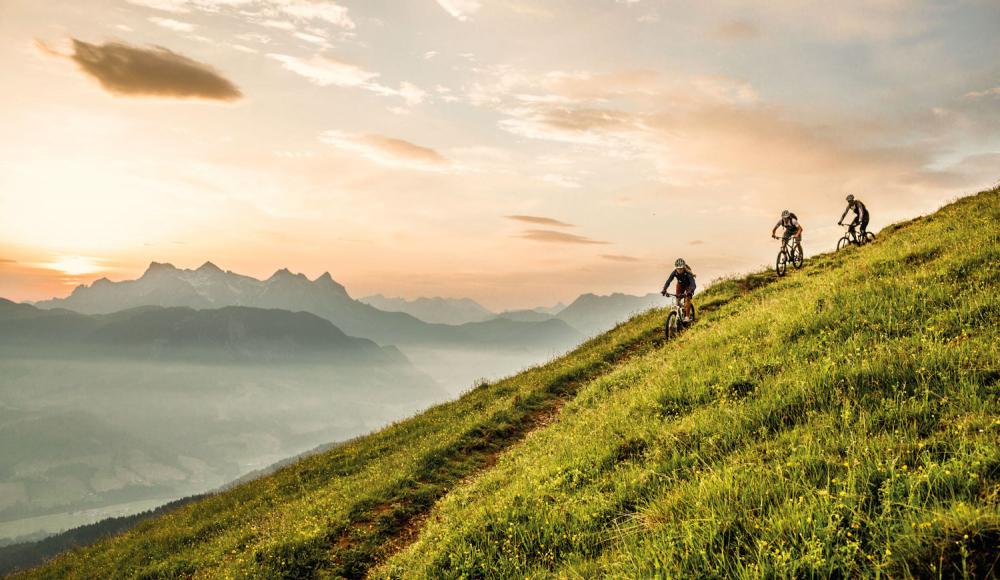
(790, 223)
(685, 282)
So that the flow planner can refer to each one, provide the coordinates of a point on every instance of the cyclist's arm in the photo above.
(775, 228)
(666, 285)
(843, 215)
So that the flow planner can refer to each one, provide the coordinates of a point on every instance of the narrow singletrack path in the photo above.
(376, 532)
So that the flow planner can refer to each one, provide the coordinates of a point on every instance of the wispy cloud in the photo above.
(127, 70)
(461, 9)
(619, 258)
(388, 150)
(172, 24)
(540, 220)
(554, 237)
(325, 71)
(307, 10)
(995, 92)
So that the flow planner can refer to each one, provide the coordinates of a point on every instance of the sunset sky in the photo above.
(519, 152)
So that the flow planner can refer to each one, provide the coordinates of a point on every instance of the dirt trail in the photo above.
(377, 532)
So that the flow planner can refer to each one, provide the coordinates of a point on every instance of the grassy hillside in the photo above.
(844, 420)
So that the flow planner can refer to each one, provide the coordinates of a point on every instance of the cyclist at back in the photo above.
(685, 285)
(790, 222)
(860, 215)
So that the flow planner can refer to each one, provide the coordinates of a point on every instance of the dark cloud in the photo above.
(619, 258)
(543, 221)
(151, 72)
(6, 261)
(551, 236)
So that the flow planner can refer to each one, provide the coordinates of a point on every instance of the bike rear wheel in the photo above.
(781, 264)
(671, 328)
(843, 243)
(797, 257)
(869, 237)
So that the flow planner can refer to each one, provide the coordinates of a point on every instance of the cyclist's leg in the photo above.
(864, 224)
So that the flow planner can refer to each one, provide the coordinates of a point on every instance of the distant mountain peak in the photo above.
(158, 267)
(326, 280)
(286, 274)
(209, 267)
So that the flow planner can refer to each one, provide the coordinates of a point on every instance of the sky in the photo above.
(518, 152)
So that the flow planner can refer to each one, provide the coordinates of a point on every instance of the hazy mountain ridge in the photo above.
(223, 334)
(593, 313)
(453, 311)
(152, 403)
(210, 287)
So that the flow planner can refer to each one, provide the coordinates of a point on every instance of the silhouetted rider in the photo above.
(685, 285)
(790, 222)
(860, 215)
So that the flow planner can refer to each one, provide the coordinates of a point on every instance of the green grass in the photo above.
(841, 421)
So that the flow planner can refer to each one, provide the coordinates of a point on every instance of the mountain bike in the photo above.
(852, 237)
(676, 322)
(791, 251)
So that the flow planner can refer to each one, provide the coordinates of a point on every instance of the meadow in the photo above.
(842, 421)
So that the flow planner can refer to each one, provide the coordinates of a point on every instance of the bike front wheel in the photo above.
(797, 257)
(781, 264)
(671, 328)
(843, 243)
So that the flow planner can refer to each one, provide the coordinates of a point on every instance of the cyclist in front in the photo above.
(790, 222)
(685, 285)
(860, 215)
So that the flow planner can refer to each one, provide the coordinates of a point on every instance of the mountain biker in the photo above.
(860, 215)
(790, 222)
(685, 285)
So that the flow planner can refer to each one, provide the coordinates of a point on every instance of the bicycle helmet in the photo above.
(786, 213)
(680, 263)
(850, 198)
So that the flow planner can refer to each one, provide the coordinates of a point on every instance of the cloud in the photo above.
(388, 150)
(326, 71)
(126, 70)
(619, 258)
(737, 30)
(540, 220)
(460, 9)
(551, 236)
(696, 242)
(315, 10)
(994, 92)
(309, 10)
(172, 24)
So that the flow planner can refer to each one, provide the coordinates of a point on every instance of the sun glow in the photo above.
(74, 265)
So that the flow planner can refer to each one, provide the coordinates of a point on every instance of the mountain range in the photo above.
(225, 335)
(210, 287)
(436, 310)
(452, 322)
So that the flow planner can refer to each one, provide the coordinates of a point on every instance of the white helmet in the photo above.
(786, 213)
(679, 263)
